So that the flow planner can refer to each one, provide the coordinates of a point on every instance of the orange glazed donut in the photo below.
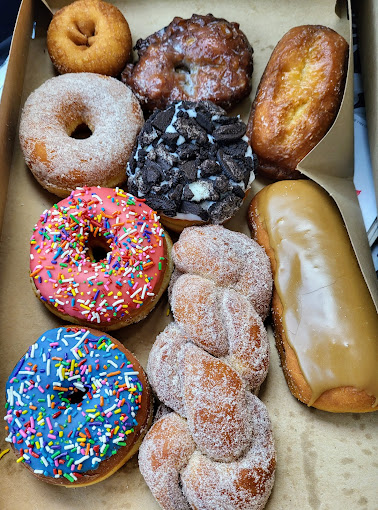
(89, 36)
(79, 130)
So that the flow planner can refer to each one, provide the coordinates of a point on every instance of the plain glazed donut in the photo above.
(201, 58)
(78, 406)
(89, 36)
(100, 258)
(55, 112)
(298, 98)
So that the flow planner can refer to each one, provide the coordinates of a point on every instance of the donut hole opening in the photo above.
(86, 28)
(76, 396)
(81, 132)
(182, 68)
(98, 248)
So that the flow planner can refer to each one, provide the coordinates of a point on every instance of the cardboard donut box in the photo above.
(325, 461)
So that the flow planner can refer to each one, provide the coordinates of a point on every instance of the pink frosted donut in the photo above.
(100, 258)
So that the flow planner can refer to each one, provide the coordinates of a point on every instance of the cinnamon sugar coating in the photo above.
(243, 484)
(167, 447)
(205, 366)
(51, 115)
(230, 259)
(201, 58)
(224, 323)
(181, 477)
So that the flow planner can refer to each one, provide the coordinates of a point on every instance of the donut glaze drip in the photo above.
(55, 433)
(63, 247)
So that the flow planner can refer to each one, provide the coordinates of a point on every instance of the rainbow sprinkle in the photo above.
(97, 255)
(72, 402)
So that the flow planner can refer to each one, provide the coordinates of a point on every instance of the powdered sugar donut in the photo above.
(79, 129)
(100, 258)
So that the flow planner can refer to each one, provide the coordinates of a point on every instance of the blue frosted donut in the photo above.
(78, 405)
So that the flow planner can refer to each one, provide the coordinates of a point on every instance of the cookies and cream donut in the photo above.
(79, 130)
(192, 163)
(100, 258)
(89, 36)
(201, 58)
(78, 405)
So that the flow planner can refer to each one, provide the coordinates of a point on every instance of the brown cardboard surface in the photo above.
(11, 96)
(325, 461)
(367, 13)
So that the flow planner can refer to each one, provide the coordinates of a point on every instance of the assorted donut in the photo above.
(78, 405)
(192, 163)
(89, 36)
(79, 130)
(201, 58)
(100, 258)
(213, 446)
(78, 402)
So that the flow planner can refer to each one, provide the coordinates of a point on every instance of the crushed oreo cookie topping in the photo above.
(192, 160)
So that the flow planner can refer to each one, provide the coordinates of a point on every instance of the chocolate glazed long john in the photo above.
(213, 446)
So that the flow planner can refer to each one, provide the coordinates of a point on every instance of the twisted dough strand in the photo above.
(215, 449)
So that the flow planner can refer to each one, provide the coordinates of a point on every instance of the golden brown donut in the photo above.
(324, 317)
(55, 114)
(89, 36)
(298, 98)
(107, 437)
(201, 58)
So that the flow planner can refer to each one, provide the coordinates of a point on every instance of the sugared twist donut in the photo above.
(100, 258)
(229, 259)
(79, 130)
(214, 447)
(89, 36)
(192, 59)
(78, 405)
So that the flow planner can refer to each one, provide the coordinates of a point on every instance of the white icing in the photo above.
(192, 113)
(201, 190)
(187, 217)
